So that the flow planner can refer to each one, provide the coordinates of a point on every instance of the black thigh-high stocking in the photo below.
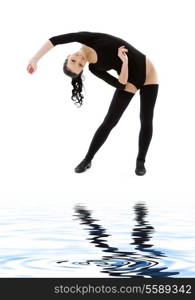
(148, 95)
(119, 103)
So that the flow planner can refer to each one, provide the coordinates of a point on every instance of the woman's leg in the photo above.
(120, 101)
(148, 95)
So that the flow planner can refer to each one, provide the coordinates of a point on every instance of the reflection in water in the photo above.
(142, 232)
(143, 262)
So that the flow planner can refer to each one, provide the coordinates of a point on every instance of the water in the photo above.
(61, 239)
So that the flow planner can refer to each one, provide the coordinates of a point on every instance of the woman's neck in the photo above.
(90, 54)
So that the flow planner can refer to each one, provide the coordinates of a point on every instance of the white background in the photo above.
(43, 135)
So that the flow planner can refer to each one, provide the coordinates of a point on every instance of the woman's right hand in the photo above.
(122, 54)
(32, 66)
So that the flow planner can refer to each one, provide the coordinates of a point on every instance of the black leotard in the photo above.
(106, 47)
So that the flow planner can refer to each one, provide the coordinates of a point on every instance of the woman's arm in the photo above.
(32, 65)
(121, 82)
(107, 77)
(80, 36)
(123, 77)
(42, 51)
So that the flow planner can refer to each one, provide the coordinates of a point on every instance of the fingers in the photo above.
(122, 53)
(122, 50)
(30, 69)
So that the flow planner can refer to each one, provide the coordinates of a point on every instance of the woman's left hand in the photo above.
(122, 54)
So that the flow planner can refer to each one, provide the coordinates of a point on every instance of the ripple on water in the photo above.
(56, 247)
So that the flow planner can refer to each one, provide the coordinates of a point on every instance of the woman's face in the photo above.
(76, 62)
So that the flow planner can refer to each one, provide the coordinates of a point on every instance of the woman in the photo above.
(104, 52)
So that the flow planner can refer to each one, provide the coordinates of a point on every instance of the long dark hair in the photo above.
(77, 84)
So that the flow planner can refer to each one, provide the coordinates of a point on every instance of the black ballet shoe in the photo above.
(83, 166)
(140, 168)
